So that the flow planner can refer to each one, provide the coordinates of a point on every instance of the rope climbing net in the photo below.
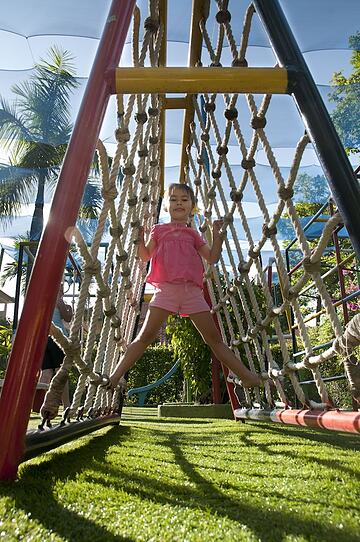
(255, 325)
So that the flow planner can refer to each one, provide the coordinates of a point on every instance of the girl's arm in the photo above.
(212, 255)
(145, 250)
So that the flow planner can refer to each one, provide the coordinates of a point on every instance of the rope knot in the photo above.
(141, 117)
(211, 193)
(153, 111)
(236, 195)
(104, 292)
(132, 201)
(306, 361)
(243, 268)
(253, 253)
(73, 350)
(93, 267)
(200, 160)
(151, 25)
(228, 219)
(144, 180)
(216, 173)
(116, 322)
(210, 107)
(290, 294)
(129, 169)
(223, 16)
(197, 181)
(248, 163)
(285, 193)
(205, 137)
(310, 266)
(269, 231)
(239, 63)
(135, 223)
(222, 150)
(154, 163)
(122, 257)
(231, 113)
(110, 312)
(126, 272)
(153, 140)
(143, 153)
(122, 135)
(109, 194)
(116, 231)
(258, 122)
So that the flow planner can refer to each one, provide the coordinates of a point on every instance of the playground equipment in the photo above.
(143, 391)
(217, 100)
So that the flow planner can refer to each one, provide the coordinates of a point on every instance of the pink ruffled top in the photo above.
(176, 257)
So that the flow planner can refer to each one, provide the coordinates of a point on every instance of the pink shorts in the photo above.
(182, 298)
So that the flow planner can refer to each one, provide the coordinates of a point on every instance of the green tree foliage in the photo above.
(35, 131)
(346, 95)
(5, 344)
(194, 355)
(310, 194)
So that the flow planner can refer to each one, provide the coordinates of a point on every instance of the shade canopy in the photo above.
(322, 29)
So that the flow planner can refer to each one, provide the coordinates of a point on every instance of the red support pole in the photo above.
(27, 352)
(216, 367)
(332, 420)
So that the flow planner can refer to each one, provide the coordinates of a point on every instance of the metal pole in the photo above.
(329, 149)
(27, 353)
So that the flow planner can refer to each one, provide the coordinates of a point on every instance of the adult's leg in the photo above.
(148, 333)
(205, 324)
(46, 376)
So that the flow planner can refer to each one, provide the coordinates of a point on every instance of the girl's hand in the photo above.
(217, 225)
(141, 231)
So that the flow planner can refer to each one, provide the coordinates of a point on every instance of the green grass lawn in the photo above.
(168, 479)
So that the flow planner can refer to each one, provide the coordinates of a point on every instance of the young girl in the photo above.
(176, 272)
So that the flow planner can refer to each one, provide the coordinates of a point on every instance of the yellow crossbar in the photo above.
(198, 80)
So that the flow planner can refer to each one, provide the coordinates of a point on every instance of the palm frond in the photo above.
(16, 188)
(92, 200)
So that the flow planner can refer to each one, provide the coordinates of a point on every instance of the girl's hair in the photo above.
(180, 186)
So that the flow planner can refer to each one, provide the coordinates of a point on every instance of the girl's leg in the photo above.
(150, 328)
(205, 324)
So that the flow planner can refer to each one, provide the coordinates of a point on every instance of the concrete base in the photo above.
(179, 410)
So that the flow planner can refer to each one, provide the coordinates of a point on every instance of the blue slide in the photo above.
(144, 390)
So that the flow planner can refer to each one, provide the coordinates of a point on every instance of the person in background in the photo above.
(54, 356)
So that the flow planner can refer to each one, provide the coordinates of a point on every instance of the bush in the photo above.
(156, 361)
(337, 389)
(193, 353)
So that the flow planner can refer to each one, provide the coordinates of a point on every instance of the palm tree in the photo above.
(36, 130)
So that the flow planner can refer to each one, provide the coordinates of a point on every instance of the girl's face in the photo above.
(180, 205)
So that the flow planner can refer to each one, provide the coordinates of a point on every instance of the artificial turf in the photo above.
(165, 479)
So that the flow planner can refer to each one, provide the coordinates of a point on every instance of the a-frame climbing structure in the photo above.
(218, 101)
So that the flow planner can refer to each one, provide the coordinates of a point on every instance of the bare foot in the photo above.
(252, 380)
(116, 382)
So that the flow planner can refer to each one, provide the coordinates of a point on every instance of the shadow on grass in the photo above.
(267, 525)
(34, 491)
(344, 442)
